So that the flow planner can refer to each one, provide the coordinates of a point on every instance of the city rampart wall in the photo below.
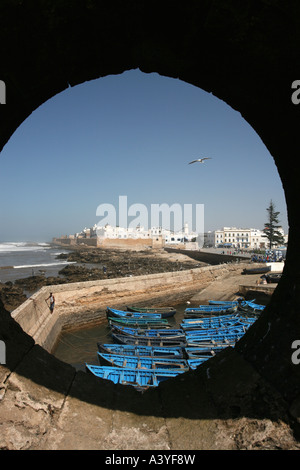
(83, 304)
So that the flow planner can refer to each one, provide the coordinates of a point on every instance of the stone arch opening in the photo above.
(238, 53)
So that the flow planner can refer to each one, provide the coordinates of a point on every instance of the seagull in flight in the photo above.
(200, 160)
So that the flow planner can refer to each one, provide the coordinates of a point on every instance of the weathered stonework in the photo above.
(83, 304)
(245, 53)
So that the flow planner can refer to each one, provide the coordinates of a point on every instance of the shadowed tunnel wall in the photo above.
(245, 53)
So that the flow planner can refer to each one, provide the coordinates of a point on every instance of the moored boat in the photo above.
(257, 270)
(197, 361)
(141, 350)
(250, 307)
(113, 312)
(139, 379)
(149, 341)
(212, 332)
(139, 322)
(164, 311)
(141, 362)
(151, 332)
(209, 310)
(224, 303)
(215, 322)
(202, 340)
(210, 350)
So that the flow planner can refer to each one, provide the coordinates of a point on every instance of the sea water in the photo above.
(24, 259)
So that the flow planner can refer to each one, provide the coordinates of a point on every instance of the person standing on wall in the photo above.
(52, 302)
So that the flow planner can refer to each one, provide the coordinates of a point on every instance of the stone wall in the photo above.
(207, 257)
(84, 303)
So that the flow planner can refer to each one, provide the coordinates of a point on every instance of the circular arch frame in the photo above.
(246, 54)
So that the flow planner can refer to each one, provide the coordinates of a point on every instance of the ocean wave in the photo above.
(9, 247)
(43, 265)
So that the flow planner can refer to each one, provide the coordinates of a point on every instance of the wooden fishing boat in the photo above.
(224, 303)
(150, 341)
(208, 320)
(257, 270)
(140, 350)
(251, 307)
(164, 311)
(209, 350)
(139, 322)
(141, 379)
(112, 312)
(209, 340)
(151, 332)
(208, 310)
(273, 277)
(141, 362)
(197, 361)
(211, 332)
(210, 323)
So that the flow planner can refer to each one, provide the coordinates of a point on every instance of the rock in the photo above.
(103, 264)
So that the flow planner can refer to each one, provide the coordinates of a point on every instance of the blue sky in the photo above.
(133, 134)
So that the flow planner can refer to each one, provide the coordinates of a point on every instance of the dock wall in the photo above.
(83, 304)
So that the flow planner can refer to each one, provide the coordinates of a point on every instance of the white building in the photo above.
(239, 238)
(170, 237)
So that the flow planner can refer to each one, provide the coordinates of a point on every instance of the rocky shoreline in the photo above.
(95, 264)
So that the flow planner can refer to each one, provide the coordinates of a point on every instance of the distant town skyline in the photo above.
(133, 134)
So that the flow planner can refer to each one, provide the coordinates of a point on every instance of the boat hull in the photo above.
(141, 362)
(151, 332)
(165, 312)
(148, 341)
(112, 312)
(139, 379)
(140, 350)
(209, 310)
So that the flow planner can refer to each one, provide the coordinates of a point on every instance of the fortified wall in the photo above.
(83, 304)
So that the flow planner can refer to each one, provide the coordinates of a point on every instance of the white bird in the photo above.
(200, 160)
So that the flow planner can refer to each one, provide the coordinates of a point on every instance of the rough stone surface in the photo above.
(224, 404)
(246, 54)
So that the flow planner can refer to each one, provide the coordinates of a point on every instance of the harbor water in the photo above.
(80, 347)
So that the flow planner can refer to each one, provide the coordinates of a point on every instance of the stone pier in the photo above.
(83, 304)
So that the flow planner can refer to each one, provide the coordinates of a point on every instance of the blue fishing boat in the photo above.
(224, 303)
(150, 341)
(139, 379)
(151, 332)
(202, 324)
(207, 320)
(209, 351)
(211, 332)
(248, 306)
(207, 310)
(141, 362)
(209, 340)
(139, 322)
(197, 361)
(149, 351)
(112, 312)
(163, 311)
